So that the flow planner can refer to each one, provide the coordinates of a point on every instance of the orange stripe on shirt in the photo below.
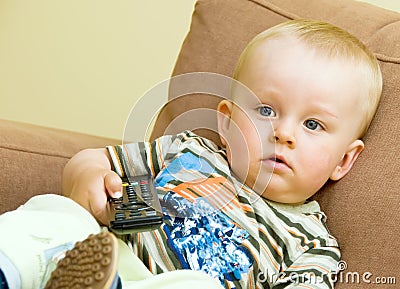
(305, 239)
(270, 257)
(165, 258)
(323, 269)
(270, 239)
(129, 159)
(121, 169)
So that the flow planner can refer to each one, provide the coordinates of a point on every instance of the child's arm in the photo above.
(88, 179)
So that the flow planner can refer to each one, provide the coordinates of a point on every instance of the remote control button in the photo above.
(136, 210)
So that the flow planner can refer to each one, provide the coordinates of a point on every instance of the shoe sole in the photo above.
(91, 264)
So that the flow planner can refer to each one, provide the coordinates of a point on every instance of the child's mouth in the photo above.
(278, 162)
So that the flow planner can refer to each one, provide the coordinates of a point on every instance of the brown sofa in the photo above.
(32, 159)
(363, 209)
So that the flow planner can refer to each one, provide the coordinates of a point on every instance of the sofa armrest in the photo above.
(32, 159)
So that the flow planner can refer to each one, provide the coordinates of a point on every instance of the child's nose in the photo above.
(283, 134)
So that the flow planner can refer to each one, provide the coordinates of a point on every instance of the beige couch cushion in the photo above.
(364, 208)
(32, 159)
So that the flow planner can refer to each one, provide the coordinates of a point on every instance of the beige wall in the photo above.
(81, 65)
(388, 4)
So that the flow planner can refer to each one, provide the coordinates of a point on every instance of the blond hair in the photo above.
(332, 42)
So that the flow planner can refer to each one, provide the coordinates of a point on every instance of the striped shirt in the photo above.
(218, 225)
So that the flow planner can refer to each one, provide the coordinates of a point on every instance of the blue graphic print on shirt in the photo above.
(202, 237)
(187, 163)
(208, 242)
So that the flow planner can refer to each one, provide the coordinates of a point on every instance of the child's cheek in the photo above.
(319, 166)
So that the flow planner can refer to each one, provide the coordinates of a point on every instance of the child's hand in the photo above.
(89, 180)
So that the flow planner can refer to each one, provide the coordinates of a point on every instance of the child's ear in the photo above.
(224, 112)
(353, 151)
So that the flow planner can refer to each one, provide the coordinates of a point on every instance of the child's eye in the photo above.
(312, 124)
(266, 111)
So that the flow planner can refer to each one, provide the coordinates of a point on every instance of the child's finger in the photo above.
(113, 184)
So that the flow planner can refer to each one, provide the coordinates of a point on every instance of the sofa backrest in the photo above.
(363, 208)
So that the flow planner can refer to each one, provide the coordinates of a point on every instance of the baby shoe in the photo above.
(91, 264)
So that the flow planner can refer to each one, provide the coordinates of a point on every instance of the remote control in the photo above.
(138, 209)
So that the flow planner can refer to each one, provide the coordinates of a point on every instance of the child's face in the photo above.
(313, 104)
